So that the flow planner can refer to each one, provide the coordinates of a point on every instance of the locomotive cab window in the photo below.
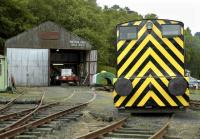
(128, 33)
(171, 30)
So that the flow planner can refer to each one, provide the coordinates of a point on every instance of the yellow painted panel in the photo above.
(161, 22)
(125, 51)
(120, 100)
(114, 94)
(130, 45)
(163, 93)
(179, 41)
(138, 93)
(183, 101)
(149, 95)
(133, 55)
(167, 55)
(120, 44)
(169, 44)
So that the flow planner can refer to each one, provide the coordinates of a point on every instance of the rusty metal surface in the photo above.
(49, 35)
(25, 118)
(37, 38)
(16, 131)
(23, 112)
(4, 108)
(104, 130)
(29, 67)
(160, 134)
(194, 104)
(163, 130)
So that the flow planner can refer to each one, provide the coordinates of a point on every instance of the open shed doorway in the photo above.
(66, 66)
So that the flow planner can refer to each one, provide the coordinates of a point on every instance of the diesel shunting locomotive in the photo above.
(150, 66)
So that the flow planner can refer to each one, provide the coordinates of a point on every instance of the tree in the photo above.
(86, 19)
(15, 18)
(150, 16)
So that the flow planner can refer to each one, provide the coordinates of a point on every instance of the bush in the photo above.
(106, 68)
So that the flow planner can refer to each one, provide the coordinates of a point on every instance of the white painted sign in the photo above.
(77, 43)
(66, 72)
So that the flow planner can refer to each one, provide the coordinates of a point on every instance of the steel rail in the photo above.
(160, 133)
(25, 118)
(195, 102)
(104, 130)
(4, 108)
(163, 130)
(16, 131)
(24, 112)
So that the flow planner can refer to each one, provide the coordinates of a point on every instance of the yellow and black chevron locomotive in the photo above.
(150, 66)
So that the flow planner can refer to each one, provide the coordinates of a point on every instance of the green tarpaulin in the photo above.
(103, 78)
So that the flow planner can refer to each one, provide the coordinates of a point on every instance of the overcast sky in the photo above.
(187, 11)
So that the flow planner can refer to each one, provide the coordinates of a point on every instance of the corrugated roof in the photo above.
(48, 35)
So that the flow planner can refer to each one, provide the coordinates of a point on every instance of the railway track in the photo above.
(9, 104)
(17, 103)
(32, 123)
(16, 119)
(195, 104)
(122, 129)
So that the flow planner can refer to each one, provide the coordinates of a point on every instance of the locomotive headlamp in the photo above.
(149, 25)
(123, 87)
(177, 86)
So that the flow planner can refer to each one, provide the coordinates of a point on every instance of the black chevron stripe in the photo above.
(171, 39)
(123, 47)
(186, 97)
(149, 44)
(166, 60)
(134, 61)
(157, 92)
(176, 45)
(154, 90)
(139, 28)
(138, 87)
(169, 50)
(160, 82)
(157, 65)
(116, 98)
(128, 41)
(132, 50)
(146, 90)
(181, 37)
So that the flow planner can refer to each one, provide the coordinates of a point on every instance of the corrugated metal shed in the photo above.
(48, 35)
(91, 63)
(32, 53)
(29, 67)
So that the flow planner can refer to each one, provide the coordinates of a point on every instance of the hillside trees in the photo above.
(14, 18)
(86, 19)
